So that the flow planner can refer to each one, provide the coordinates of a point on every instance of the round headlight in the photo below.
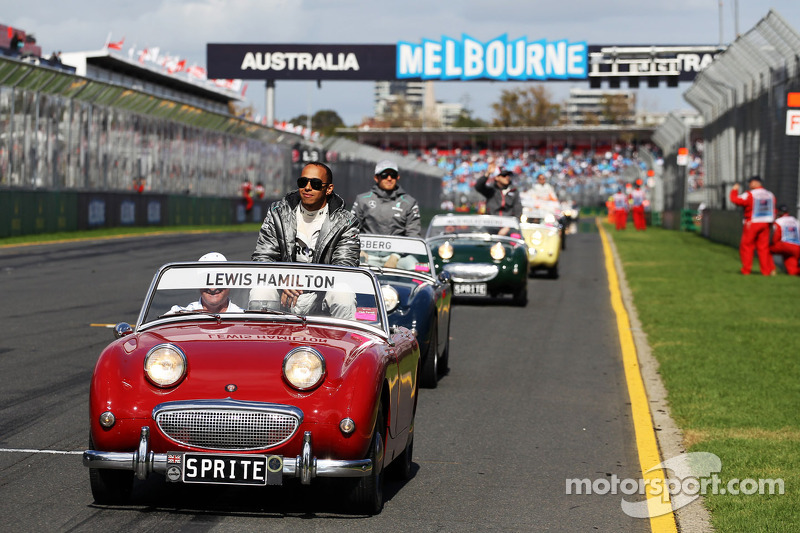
(446, 250)
(549, 218)
(165, 365)
(498, 251)
(304, 368)
(390, 297)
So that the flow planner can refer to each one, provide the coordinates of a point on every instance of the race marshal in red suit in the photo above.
(620, 200)
(786, 240)
(637, 199)
(759, 214)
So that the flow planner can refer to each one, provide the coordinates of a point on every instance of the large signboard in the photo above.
(466, 58)
(351, 62)
(648, 63)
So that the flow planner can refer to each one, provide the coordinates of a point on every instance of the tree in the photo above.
(400, 114)
(617, 109)
(324, 121)
(466, 120)
(531, 106)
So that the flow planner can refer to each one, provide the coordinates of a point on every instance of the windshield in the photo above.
(493, 225)
(403, 253)
(226, 290)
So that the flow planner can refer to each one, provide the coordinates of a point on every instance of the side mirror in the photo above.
(122, 329)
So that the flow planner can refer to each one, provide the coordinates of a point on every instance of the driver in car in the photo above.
(213, 300)
(309, 225)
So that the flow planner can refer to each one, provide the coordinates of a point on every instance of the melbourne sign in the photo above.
(500, 58)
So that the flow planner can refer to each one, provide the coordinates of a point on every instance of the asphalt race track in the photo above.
(534, 396)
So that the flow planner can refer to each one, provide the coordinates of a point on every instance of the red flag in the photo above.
(116, 45)
(197, 72)
(177, 67)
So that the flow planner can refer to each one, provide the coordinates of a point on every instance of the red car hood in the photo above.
(244, 356)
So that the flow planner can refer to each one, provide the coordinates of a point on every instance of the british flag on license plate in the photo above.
(173, 458)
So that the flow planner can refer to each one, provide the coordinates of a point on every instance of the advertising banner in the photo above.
(462, 59)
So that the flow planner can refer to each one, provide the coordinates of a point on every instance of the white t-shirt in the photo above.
(309, 225)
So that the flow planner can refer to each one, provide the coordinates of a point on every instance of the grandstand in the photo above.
(101, 140)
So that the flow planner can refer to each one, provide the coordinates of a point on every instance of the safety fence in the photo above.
(742, 96)
(69, 143)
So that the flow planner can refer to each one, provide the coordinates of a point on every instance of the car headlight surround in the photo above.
(497, 251)
(165, 365)
(446, 250)
(390, 297)
(304, 368)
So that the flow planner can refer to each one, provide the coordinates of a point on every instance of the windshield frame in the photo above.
(427, 276)
(143, 324)
(473, 231)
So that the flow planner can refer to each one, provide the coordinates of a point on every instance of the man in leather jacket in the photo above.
(311, 225)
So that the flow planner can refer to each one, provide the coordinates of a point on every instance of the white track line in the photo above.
(53, 452)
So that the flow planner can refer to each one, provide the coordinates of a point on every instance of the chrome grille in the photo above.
(227, 429)
(470, 272)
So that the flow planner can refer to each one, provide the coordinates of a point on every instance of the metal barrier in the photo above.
(743, 97)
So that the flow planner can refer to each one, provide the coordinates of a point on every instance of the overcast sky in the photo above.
(183, 28)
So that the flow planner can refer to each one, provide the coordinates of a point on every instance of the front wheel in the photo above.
(366, 495)
(401, 467)
(521, 297)
(110, 487)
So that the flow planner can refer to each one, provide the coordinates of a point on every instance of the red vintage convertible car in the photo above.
(219, 382)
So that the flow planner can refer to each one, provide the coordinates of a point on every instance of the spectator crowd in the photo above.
(585, 177)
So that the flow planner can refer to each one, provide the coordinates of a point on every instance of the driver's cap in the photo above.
(213, 256)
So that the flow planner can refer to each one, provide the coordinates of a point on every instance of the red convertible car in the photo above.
(222, 382)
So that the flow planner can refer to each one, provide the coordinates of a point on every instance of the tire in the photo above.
(110, 487)
(430, 366)
(366, 495)
(444, 360)
(553, 271)
(400, 468)
(520, 297)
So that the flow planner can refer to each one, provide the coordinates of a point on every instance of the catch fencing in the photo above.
(742, 97)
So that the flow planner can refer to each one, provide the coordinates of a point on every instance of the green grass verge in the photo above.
(727, 349)
(116, 232)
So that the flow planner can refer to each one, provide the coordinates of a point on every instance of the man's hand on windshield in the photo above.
(289, 297)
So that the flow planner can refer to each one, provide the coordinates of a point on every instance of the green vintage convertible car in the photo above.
(484, 254)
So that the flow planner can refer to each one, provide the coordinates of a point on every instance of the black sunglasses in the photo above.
(316, 183)
(388, 174)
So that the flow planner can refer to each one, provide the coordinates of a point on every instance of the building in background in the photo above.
(412, 103)
(595, 107)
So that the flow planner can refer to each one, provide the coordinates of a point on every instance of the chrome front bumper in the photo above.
(305, 466)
